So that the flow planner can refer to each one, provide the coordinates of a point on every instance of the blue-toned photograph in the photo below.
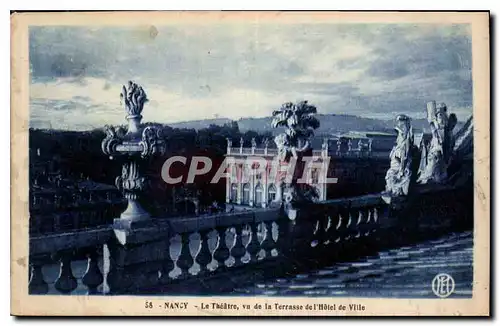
(259, 159)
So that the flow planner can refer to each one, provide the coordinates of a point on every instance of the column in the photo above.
(324, 185)
(252, 189)
(240, 183)
(228, 184)
(265, 185)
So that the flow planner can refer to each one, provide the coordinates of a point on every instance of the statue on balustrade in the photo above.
(139, 142)
(299, 122)
(399, 175)
(266, 142)
(437, 154)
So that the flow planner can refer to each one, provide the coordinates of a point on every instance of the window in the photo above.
(246, 194)
(234, 174)
(271, 193)
(258, 195)
(314, 176)
(234, 193)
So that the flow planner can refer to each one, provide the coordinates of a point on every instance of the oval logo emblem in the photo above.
(443, 285)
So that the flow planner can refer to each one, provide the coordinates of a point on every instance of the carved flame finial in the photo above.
(133, 98)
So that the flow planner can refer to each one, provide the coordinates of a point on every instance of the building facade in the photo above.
(346, 159)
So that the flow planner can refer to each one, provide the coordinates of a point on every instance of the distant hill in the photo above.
(329, 124)
(199, 124)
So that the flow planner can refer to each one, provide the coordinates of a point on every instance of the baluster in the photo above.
(65, 282)
(175, 252)
(253, 246)
(267, 242)
(204, 255)
(93, 276)
(117, 279)
(246, 238)
(348, 225)
(238, 249)
(331, 232)
(369, 221)
(375, 219)
(222, 251)
(167, 265)
(230, 237)
(261, 236)
(275, 237)
(316, 228)
(329, 226)
(185, 260)
(37, 284)
(213, 242)
(340, 226)
(194, 248)
(359, 223)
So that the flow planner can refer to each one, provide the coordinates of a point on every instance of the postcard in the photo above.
(250, 164)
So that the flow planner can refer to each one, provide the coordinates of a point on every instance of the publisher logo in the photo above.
(443, 285)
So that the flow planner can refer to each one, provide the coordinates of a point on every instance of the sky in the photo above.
(192, 72)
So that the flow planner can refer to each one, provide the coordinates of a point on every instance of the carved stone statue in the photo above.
(133, 98)
(398, 176)
(254, 142)
(299, 122)
(139, 142)
(436, 155)
(266, 142)
(324, 145)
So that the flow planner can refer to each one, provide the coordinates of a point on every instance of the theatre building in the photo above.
(352, 161)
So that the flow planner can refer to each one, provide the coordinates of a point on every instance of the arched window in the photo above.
(314, 176)
(246, 194)
(234, 173)
(271, 193)
(258, 195)
(234, 193)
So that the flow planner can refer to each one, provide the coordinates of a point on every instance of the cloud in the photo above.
(237, 70)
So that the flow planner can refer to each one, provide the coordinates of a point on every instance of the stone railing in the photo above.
(199, 251)
(355, 152)
(53, 258)
(214, 254)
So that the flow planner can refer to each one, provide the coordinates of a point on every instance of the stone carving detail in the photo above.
(131, 184)
(137, 143)
(152, 142)
(133, 98)
(399, 174)
(437, 154)
(294, 143)
(299, 122)
(266, 142)
(112, 139)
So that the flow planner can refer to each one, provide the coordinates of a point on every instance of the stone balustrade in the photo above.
(354, 152)
(216, 253)
(170, 252)
(49, 253)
